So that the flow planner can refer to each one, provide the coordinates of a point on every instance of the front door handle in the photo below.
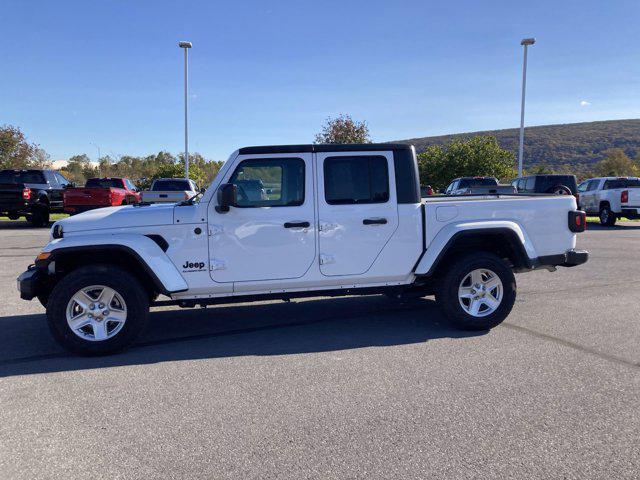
(297, 225)
(374, 221)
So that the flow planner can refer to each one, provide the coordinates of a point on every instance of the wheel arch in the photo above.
(506, 241)
(143, 257)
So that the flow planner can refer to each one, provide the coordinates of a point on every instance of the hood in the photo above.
(119, 217)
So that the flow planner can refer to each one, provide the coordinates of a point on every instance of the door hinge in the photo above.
(325, 259)
(216, 264)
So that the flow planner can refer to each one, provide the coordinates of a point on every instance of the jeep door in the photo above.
(270, 233)
(357, 208)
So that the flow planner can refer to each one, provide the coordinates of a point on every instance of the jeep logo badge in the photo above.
(192, 266)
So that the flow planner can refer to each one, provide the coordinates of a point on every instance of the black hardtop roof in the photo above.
(328, 147)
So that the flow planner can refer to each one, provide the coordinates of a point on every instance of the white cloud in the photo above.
(584, 103)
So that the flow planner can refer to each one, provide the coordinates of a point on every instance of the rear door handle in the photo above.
(297, 225)
(374, 221)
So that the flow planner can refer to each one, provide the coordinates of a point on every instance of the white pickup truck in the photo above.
(611, 198)
(170, 190)
(336, 220)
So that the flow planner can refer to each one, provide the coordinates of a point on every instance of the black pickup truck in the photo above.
(32, 194)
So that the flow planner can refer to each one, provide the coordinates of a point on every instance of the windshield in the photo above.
(22, 176)
(104, 183)
(478, 182)
(171, 186)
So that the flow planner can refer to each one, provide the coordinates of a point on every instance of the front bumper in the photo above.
(30, 282)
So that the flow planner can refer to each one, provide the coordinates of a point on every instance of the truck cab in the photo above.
(293, 221)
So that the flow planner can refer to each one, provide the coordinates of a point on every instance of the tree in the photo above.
(616, 163)
(476, 156)
(343, 130)
(15, 151)
(79, 168)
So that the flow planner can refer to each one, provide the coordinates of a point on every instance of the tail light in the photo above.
(624, 196)
(26, 193)
(577, 221)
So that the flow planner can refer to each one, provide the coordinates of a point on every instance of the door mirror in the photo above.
(202, 190)
(227, 197)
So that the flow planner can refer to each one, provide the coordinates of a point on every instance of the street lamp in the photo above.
(525, 42)
(99, 173)
(186, 46)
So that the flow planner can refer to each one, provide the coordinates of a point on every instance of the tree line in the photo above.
(438, 164)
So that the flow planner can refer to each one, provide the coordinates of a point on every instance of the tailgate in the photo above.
(87, 196)
(166, 196)
(11, 194)
(634, 197)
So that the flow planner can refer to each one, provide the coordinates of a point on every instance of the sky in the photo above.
(74, 75)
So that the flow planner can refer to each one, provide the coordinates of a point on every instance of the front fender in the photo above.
(448, 234)
(151, 257)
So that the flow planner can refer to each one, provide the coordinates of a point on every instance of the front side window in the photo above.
(270, 182)
(356, 179)
(593, 185)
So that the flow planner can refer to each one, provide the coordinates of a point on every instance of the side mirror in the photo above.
(202, 190)
(227, 197)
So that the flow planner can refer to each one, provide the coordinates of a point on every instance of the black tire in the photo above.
(13, 216)
(39, 216)
(125, 284)
(607, 217)
(43, 298)
(560, 190)
(449, 283)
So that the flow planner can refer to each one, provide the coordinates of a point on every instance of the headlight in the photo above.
(57, 231)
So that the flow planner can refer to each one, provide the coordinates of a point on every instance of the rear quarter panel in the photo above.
(542, 220)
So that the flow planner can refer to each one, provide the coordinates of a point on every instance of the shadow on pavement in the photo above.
(20, 224)
(26, 346)
(618, 226)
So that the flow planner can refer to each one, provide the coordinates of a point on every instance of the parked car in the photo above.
(341, 220)
(426, 191)
(170, 190)
(477, 186)
(556, 184)
(610, 198)
(99, 193)
(32, 194)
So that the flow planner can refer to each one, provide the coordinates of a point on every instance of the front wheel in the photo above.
(97, 310)
(477, 292)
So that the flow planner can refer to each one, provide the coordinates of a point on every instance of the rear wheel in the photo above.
(477, 292)
(607, 217)
(39, 216)
(97, 310)
(13, 216)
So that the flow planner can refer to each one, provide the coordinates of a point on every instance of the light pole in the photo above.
(99, 173)
(186, 46)
(525, 42)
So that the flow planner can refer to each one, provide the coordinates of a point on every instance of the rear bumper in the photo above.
(82, 208)
(18, 206)
(30, 283)
(570, 258)
(630, 212)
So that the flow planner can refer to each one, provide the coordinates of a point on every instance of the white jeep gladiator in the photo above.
(329, 220)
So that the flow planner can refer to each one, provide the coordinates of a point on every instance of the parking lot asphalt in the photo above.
(336, 388)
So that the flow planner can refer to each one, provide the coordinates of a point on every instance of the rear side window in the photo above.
(22, 176)
(171, 186)
(103, 183)
(622, 183)
(355, 180)
(270, 182)
(531, 184)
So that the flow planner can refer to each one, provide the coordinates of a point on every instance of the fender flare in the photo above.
(153, 260)
(446, 238)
